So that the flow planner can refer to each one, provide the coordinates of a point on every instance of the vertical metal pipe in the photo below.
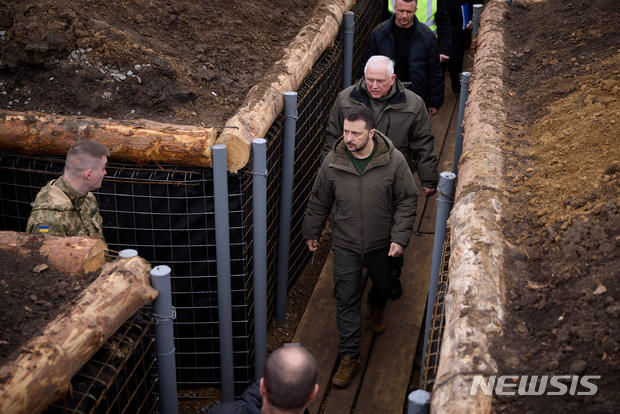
(164, 314)
(476, 19)
(444, 205)
(419, 402)
(259, 205)
(458, 149)
(127, 253)
(347, 50)
(286, 199)
(222, 247)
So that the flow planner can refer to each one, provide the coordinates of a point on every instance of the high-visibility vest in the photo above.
(424, 14)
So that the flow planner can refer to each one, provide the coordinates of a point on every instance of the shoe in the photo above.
(396, 291)
(377, 319)
(345, 372)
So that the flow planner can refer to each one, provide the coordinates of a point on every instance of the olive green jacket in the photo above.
(368, 211)
(401, 115)
(59, 210)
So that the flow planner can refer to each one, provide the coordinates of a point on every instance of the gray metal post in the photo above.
(347, 49)
(419, 402)
(259, 205)
(164, 314)
(476, 19)
(127, 253)
(458, 149)
(222, 248)
(444, 205)
(286, 199)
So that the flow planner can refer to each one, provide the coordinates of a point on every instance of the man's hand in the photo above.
(312, 245)
(470, 25)
(396, 250)
(443, 58)
(429, 191)
(432, 111)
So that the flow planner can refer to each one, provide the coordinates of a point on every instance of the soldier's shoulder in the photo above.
(51, 197)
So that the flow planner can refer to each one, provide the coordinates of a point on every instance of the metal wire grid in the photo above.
(433, 345)
(119, 378)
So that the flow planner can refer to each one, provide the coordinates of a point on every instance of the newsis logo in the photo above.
(534, 385)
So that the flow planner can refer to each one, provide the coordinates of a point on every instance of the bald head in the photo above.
(290, 377)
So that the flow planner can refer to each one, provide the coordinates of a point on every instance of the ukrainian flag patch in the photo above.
(44, 229)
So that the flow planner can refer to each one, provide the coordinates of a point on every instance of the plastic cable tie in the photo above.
(167, 353)
(260, 173)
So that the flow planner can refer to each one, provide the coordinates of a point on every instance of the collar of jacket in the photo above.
(75, 197)
(396, 95)
(382, 156)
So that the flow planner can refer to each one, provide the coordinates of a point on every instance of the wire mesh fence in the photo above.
(119, 378)
(438, 320)
(166, 213)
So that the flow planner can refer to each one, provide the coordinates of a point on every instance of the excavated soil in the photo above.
(563, 219)
(181, 61)
(31, 296)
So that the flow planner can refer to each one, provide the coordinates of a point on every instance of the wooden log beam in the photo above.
(474, 303)
(139, 141)
(70, 255)
(42, 370)
(265, 100)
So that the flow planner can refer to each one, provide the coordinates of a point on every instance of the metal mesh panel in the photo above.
(438, 320)
(119, 377)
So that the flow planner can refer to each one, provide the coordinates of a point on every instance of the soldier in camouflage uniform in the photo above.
(66, 206)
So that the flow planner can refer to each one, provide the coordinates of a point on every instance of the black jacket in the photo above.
(425, 71)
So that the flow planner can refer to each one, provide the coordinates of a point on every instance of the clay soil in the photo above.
(176, 61)
(563, 219)
(31, 296)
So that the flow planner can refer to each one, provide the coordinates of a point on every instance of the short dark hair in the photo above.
(77, 157)
(289, 377)
(361, 112)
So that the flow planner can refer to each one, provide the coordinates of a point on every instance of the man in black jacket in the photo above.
(414, 48)
(288, 386)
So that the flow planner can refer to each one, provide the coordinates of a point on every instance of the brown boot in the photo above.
(345, 372)
(377, 319)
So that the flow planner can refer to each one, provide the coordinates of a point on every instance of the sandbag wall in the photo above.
(166, 213)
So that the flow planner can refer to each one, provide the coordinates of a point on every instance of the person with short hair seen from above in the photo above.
(288, 386)
(66, 206)
(367, 188)
(401, 115)
(414, 48)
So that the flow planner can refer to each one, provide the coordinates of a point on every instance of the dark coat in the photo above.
(425, 71)
(402, 117)
(368, 211)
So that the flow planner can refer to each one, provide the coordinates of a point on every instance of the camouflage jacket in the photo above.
(59, 210)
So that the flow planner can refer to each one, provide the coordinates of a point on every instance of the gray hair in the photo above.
(380, 59)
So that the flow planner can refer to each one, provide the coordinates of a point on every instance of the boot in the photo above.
(346, 371)
(377, 319)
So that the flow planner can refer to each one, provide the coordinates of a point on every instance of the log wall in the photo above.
(475, 298)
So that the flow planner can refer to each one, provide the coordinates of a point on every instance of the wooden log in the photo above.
(265, 100)
(42, 370)
(138, 141)
(474, 303)
(70, 255)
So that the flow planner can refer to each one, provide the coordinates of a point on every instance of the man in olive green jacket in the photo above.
(367, 187)
(66, 206)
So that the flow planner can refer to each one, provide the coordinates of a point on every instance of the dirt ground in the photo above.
(176, 61)
(31, 296)
(563, 220)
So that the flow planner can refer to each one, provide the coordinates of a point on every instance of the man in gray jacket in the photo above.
(367, 187)
(402, 116)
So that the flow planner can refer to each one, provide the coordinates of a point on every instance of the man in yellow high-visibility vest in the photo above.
(434, 14)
